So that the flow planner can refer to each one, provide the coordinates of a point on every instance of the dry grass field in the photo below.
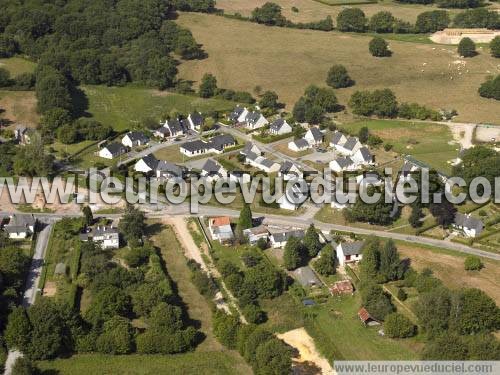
(244, 55)
(311, 10)
(18, 107)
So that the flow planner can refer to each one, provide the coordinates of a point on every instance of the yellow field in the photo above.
(244, 55)
(19, 107)
(310, 10)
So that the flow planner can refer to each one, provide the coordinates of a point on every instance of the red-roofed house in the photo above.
(220, 229)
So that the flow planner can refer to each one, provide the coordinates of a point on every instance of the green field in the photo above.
(17, 65)
(345, 2)
(125, 107)
(216, 363)
(290, 60)
(427, 142)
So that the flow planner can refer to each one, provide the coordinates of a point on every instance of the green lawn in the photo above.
(427, 142)
(216, 363)
(17, 65)
(125, 107)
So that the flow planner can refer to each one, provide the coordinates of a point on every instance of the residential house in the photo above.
(256, 233)
(255, 120)
(220, 229)
(113, 150)
(468, 225)
(280, 127)
(176, 127)
(314, 136)
(212, 171)
(350, 147)
(343, 163)
(349, 252)
(194, 148)
(279, 239)
(162, 133)
(238, 114)
(292, 198)
(338, 138)
(290, 171)
(132, 139)
(195, 121)
(253, 157)
(20, 226)
(147, 164)
(363, 157)
(167, 170)
(107, 236)
(299, 145)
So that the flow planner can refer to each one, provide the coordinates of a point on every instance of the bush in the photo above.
(254, 314)
(351, 19)
(379, 48)
(402, 296)
(495, 46)
(491, 88)
(338, 77)
(466, 48)
(398, 326)
(472, 263)
(382, 22)
(388, 147)
(417, 111)
(432, 21)
(461, 4)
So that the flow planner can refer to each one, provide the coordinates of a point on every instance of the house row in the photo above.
(313, 138)
(361, 158)
(19, 226)
(177, 127)
(215, 145)
(253, 157)
(250, 119)
(159, 168)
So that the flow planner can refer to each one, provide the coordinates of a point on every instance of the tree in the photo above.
(415, 216)
(351, 19)
(483, 348)
(269, 14)
(363, 134)
(293, 255)
(5, 78)
(370, 263)
(446, 347)
(226, 328)
(472, 263)
(382, 22)
(8, 46)
(325, 265)
(466, 48)
(432, 21)
(338, 77)
(474, 312)
(433, 310)
(254, 314)
(132, 224)
(116, 337)
(52, 90)
(314, 104)
(378, 47)
(23, 366)
(311, 241)
(398, 326)
(495, 46)
(273, 357)
(444, 212)
(106, 303)
(208, 86)
(245, 219)
(87, 214)
(375, 213)
(382, 103)
(491, 88)
(18, 330)
(390, 264)
(376, 302)
(269, 99)
(32, 159)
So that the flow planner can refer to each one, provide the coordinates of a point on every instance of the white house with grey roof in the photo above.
(254, 158)
(299, 145)
(349, 147)
(20, 226)
(215, 145)
(133, 139)
(195, 121)
(107, 236)
(113, 150)
(338, 138)
(363, 157)
(290, 170)
(255, 120)
(176, 127)
(343, 164)
(280, 127)
(468, 225)
(349, 252)
(314, 136)
(279, 239)
(238, 114)
(159, 168)
(212, 171)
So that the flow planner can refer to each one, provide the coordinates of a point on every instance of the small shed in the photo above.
(366, 318)
(60, 269)
(341, 287)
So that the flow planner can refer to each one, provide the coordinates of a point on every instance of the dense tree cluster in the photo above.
(432, 21)
(314, 104)
(475, 18)
(381, 262)
(375, 213)
(479, 161)
(325, 264)
(381, 103)
(338, 77)
(298, 252)
(448, 3)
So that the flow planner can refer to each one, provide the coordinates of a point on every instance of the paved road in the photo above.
(32, 281)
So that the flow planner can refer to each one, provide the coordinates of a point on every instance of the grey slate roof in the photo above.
(286, 166)
(277, 124)
(365, 153)
(236, 113)
(167, 167)
(337, 136)
(196, 118)
(344, 162)
(150, 161)
(116, 149)
(300, 143)
(176, 126)
(352, 248)
(195, 146)
(351, 142)
(306, 276)
(163, 130)
(212, 167)
(219, 142)
(138, 136)
(20, 223)
(285, 236)
(316, 133)
(469, 222)
(253, 117)
(267, 163)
